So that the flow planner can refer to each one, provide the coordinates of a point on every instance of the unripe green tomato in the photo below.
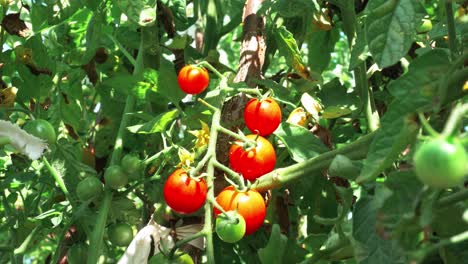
(132, 165)
(115, 177)
(441, 162)
(231, 227)
(179, 258)
(41, 129)
(426, 26)
(77, 254)
(120, 234)
(89, 188)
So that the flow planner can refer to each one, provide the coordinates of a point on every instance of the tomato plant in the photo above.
(120, 234)
(230, 227)
(249, 204)
(89, 188)
(115, 177)
(42, 129)
(255, 161)
(441, 162)
(184, 194)
(178, 258)
(144, 87)
(262, 116)
(193, 79)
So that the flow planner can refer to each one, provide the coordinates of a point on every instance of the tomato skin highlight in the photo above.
(254, 162)
(120, 234)
(184, 194)
(193, 79)
(249, 204)
(230, 228)
(441, 163)
(262, 116)
(42, 129)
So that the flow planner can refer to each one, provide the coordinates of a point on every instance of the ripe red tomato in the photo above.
(249, 204)
(262, 116)
(184, 194)
(193, 79)
(254, 162)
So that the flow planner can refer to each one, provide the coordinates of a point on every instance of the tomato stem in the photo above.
(279, 177)
(156, 156)
(58, 179)
(453, 198)
(211, 68)
(232, 174)
(216, 204)
(454, 119)
(236, 136)
(427, 126)
(200, 165)
(254, 91)
(207, 104)
(452, 37)
(184, 241)
(26, 111)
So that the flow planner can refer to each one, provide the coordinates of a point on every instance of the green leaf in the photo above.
(396, 133)
(301, 143)
(293, 8)
(419, 85)
(158, 124)
(397, 213)
(391, 28)
(413, 91)
(70, 112)
(336, 100)
(342, 166)
(321, 44)
(123, 83)
(32, 86)
(167, 84)
(275, 247)
(375, 248)
(139, 11)
(288, 48)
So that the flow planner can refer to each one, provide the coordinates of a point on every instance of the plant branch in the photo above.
(454, 119)
(279, 177)
(58, 178)
(452, 37)
(453, 198)
(427, 126)
(232, 174)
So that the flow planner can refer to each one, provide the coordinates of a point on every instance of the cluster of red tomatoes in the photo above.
(245, 210)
